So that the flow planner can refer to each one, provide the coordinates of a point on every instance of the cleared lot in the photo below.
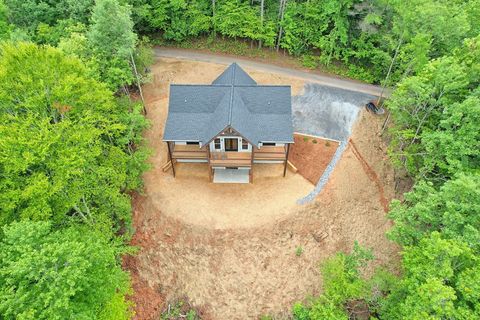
(230, 249)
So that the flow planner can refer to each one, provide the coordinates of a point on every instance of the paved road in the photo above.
(325, 80)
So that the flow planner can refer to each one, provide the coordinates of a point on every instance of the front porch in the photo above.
(227, 159)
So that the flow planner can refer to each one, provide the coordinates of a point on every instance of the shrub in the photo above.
(309, 61)
(298, 251)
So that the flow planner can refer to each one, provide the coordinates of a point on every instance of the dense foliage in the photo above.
(437, 114)
(66, 274)
(70, 154)
(70, 151)
(342, 284)
(66, 148)
(70, 146)
(367, 36)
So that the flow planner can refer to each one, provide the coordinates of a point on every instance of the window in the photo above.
(195, 143)
(231, 144)
(217, 144)
(244, 144)
(268, 144)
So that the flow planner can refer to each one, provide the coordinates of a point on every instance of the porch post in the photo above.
(170, 157)
(209, 165)
(250, 175)
(286, 160)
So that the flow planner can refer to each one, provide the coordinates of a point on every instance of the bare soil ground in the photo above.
(190, 196)
(231, 250)
(311, 156)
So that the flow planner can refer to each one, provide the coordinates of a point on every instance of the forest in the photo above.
(72, 152)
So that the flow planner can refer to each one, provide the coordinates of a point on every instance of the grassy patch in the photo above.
(299, 251)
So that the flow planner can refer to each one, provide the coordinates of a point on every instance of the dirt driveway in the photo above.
(236, 259)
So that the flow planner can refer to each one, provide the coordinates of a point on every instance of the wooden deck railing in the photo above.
(230, 158)
(189, 152)
(270, 153)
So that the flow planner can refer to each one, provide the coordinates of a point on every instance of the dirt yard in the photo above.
(231, 249)
(311, 155)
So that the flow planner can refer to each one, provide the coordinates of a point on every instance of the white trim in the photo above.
(312, 136)
(275, 144)
(191, 160)
(240, 145)
(212, 145)
(184, 143)
(268, 161)
(222, 144)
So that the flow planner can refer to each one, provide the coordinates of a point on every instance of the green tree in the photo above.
(455, 144)
(438, 282)
(112, 40)
(426, 107)
(4, 25)
(454, 210)
(46, 21)
(69, 150)
(342, 283)
(180, 19)
(45, 274)
(237, 19)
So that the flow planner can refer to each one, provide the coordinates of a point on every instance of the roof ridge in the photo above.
(234, 69)
(228, 85)
(198, 85)
(263, 85)
(230, 105)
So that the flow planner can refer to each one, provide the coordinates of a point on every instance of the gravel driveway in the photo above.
(326, 111)
(323, 79)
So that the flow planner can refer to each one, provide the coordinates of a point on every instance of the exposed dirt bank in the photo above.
(311, 156)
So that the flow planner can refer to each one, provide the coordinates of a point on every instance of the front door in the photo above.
(231, 144)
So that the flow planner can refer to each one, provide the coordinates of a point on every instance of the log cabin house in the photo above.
(230, 125)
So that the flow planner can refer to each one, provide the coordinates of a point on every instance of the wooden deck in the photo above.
(189, 152)
(270, 153)
(194, 152)
(229, 159)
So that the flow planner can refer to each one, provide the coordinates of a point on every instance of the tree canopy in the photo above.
(435, 115)
(66, 148)
(65, 274)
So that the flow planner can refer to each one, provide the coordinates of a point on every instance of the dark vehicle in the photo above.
(372, 107)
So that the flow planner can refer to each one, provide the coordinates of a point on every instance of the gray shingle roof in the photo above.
(257, 112)
(234, 75)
